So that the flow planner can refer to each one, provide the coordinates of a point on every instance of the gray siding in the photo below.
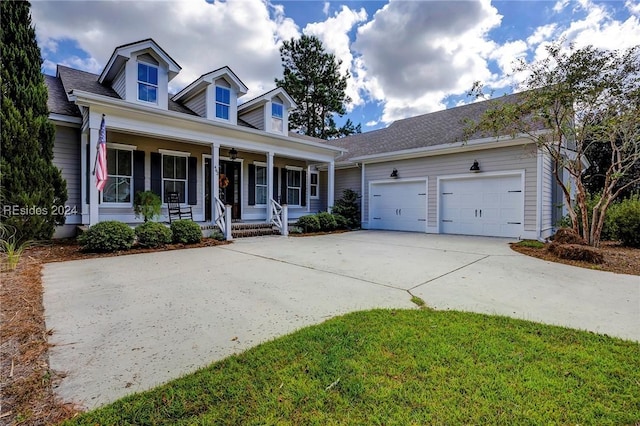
(347, 179)
(493, 160)
(547, 201)
(148, 59)
(66, 156)
(255, 118)
(198, 104)
(120, 83)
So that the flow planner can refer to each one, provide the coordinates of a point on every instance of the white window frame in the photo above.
(275, 118)
(265, 185)
(316, 185)
(299, 188)
(120, 147)
(216, 102)
(146, 83)
(184, 155)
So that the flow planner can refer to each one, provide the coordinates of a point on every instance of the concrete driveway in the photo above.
(125, 324)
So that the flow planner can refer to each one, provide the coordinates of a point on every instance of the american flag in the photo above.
(101, 157)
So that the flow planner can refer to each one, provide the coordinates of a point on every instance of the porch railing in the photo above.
(223, 218)
(280, 217)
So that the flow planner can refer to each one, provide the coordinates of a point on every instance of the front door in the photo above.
(229, 183)
(230, 194)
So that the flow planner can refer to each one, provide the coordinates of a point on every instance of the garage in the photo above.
(491, 206)
(398, 205)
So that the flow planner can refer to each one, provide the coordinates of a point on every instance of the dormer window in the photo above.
(147, 83)
(277, 117)
(223, 102)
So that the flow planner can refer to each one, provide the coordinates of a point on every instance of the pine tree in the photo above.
(312, 78)
(32, 187)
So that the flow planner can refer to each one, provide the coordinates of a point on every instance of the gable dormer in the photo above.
(214, 95)
(269, 112)
(140, 72)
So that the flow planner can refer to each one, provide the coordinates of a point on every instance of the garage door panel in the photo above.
(400, 206)
(491, 206)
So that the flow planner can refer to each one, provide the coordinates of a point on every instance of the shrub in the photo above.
(153, 234)
(147, 204)
(308, 223)
(349, 208)
(107, 237)
(568, 236)
(217, 235)
(576, 252)
(327, 221)
(186, 232)
(341, 221)
(626, 222)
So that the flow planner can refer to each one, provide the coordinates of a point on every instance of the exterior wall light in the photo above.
(233, 154)
(394, 173)
(475, 167)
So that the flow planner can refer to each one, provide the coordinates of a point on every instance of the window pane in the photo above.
(313, 191)
(222, 111)
(124, 163)
(261, 195)
(276, 124)
(152, 94)
(314, 178)
(124, 190)
(152, 74)
(180, 188)
(109, 191)
(261, 175)
(142, 72)
(293, 196)
(293, 178)
(181, 167)
(277, 110)
(168, 169)
(111, 161)
(223, 95)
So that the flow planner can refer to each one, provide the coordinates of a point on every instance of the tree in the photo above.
(34, 190)
(576, 102)
(312, 78)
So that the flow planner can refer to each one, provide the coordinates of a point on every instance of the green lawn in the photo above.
(404, 367)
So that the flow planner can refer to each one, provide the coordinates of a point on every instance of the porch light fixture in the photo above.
(233, 154)
(394, 173)
(475, 167)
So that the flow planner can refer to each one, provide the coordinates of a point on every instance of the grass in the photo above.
(404, 367)
(531, 243)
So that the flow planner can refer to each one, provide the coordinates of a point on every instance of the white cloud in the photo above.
(334, 34)
(415, 54)
(325, 8)
(543, 33)
(560, 5)
(633, 7)
(200, 36)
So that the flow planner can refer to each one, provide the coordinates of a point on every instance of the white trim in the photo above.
(296, 168)
(260, 163)
(176, 153)
(121, 146)
(520, 173)
(65, 119)
(123, 205)
(317, 185)
(255, 185)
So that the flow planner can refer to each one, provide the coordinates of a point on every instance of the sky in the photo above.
(405, 58)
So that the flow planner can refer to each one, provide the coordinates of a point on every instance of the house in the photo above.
(226, 160)
(424, 174)
(236, 161)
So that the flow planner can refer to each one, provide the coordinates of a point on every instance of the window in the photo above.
(147, 83)
(294, 180)
(119, 176)
(261, 184)
(313, 185)
(277, 114)
(174, 176)
(223, 102)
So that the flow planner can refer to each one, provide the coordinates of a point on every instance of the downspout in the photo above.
(539, 210)
(362, 185)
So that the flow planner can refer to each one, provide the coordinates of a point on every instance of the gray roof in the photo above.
(71, 79)
(437, 128)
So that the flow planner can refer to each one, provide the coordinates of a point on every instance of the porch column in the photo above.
(270, 194)
(84, 176)
(331, 170)
(94, 194)
(215, 170)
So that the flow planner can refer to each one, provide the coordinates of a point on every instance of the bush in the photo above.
(308, 223)
(107, 237)
(576, 252)
(349, 208)
(568, 236)
(153, 234)
(217, 235)
(147, 204)
(341, 221)
(626, 221)
(186, 232)
(327, 221)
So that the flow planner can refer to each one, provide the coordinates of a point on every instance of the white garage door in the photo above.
(398, 206)
(491, 206)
